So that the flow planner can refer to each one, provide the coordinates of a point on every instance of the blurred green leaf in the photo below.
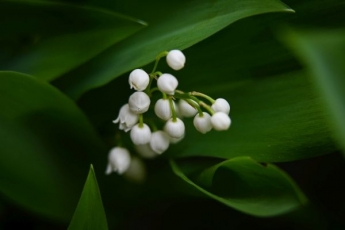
(90, 212)
(56, 37)
(46, 145)
(274, 119)
(323, 52)
(243, 184)
(188, 24)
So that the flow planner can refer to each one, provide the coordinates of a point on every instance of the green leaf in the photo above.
(323, 52)
(274, 119)
(56, 37)
(89, 213)
(46, 143)
(247, 186)
(179, 29)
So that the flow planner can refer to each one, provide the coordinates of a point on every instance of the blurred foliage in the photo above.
(282, 72)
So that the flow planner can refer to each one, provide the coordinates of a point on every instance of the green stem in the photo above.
(203, 104)
(202, 95)
(196, 106)
(172, 109)
(165, 96)
(141, 120)
(159, 56)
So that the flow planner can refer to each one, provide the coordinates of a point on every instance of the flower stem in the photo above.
(206, 106)
(202, 95)
(159, 56)
(141, 120)
(172, 109)
(196, 106)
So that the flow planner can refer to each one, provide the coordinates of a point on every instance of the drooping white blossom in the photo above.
(174, 140)
(220, 121)
(145, 151)
(136, 171)
(138, 79)
(126, 118)
(119, 160)
(202, 123)
(139, 102)
(176, 59)
(185, 109)
(175, 129)
(162, 109)
(167, 83)
(140, 135)
(221, 105)
(159, 141)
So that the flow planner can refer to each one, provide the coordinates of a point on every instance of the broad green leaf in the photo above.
(45, 143)
(274, 119)
(89, 213)
(189, 23)
(323, 52)
(56, 37)
(243, 184)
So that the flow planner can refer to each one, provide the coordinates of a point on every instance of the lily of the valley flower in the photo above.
(167, 83)
(138, 79)
(159, 141)
(220, 121)
(162, 109)
(175, 128)
(119, 160)
(221, 105)
(126, 118)
(202, 123)
(140, 135)
(139, 102)
(185, 109)
(145, 151)
(176, 59)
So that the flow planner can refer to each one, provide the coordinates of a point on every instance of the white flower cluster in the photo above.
(148, 140)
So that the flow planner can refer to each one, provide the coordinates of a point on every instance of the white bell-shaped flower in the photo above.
(185, 109)
(126, 118)
(119, 160)
(175, 129)
(163, 110)
(136, 171)
(203, 123)
(138, 79)
(145, 151)
(221, 105)
(140, 135)
(174, 140)
(159, 141)
(167, 83)
(176, 59)
(220, 121)
(139, 102)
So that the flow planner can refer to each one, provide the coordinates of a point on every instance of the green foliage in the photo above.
(44, 138)
(324, 52)
(243, 184)
(89, 213)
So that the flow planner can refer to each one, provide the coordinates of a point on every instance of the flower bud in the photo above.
(220, 121)
(136, 171)
(145, 151)
(185, 109)
(176, 59)
(139, 79)
(167, 83)
(159, 141)
(140, 135)
(221, 105)
(119, 160)
(126, 118)
(174, 128)
(139, 102)
(202, 123)
(174, 140)
(163, 110)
